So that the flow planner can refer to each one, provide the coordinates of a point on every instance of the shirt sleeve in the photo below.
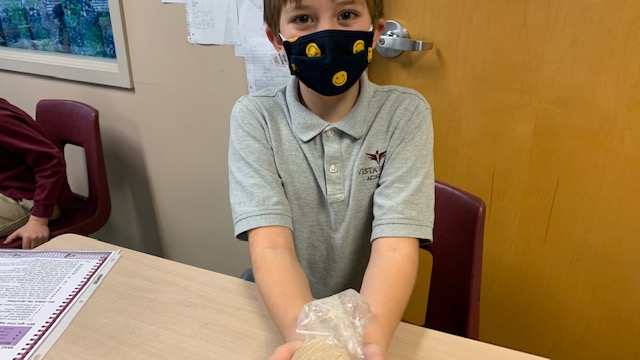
(45, 160)
(255, 187)
(405, 197)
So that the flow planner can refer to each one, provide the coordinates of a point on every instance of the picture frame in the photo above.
(104, 61)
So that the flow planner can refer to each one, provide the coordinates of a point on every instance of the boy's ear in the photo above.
(378, 28)
(274, 39)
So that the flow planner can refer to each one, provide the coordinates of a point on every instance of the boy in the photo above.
(331, 176)
(33, 179)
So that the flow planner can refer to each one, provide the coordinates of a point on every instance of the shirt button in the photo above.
(329, 132)
(333, 168)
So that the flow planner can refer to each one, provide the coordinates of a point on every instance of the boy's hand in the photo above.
(34, 233)
(374, 352)
(286, 350)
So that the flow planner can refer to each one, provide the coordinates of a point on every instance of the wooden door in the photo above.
(536, 109)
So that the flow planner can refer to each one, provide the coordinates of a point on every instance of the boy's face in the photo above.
(311, 16)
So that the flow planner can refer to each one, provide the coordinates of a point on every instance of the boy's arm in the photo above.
(44, 158)
(403, 206)
(280, 279)
(387, 285)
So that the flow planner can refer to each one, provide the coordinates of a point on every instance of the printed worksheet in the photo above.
(40, 291)
(265, 67)
(212, 22)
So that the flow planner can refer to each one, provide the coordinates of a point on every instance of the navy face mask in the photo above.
(329, 62)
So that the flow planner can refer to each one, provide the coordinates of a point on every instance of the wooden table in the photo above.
(153, 308)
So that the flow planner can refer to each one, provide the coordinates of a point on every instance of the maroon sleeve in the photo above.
(21, 137)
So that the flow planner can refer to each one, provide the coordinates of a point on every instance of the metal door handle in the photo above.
(395, 40)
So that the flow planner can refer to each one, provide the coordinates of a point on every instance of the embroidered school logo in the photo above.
(377, 156)
(373, 172)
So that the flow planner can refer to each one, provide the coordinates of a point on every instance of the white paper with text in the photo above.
(41, 291)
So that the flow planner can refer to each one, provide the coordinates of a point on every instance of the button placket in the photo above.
(333, 160)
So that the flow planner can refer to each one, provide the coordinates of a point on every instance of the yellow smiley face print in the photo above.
(358, 46)
(370, 54)
(313, 50)
(340, 78)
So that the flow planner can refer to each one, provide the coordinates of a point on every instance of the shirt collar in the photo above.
(307, 125)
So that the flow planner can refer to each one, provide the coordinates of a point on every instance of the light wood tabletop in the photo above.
(148, 307)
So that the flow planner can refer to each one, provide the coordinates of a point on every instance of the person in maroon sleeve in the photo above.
(33, 181)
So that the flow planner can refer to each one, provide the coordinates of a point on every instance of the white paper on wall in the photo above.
(212, 22)
(239, 23)
(265, 67)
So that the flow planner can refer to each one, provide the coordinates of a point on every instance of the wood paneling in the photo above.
(536, 108)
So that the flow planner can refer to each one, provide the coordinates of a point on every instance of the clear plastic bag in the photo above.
(339, 320)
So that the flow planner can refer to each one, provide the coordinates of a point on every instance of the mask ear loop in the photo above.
(280, 58)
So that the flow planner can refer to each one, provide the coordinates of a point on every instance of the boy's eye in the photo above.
(302, 19)
(347, 15)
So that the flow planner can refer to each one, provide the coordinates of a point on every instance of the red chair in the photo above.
(72, 122)
(454, 295)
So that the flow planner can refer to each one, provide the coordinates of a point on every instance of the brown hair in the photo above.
(273, 9)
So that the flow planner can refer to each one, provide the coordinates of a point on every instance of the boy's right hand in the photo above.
(286, 350)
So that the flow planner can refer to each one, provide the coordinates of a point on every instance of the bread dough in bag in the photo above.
(318, 349)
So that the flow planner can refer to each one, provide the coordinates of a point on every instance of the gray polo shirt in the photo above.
(336, 186)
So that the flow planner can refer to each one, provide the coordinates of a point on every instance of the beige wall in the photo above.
(165, 142)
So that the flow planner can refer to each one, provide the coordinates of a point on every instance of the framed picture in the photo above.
(80, 40)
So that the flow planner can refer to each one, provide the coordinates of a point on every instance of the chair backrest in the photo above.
(72, 122)
(454, 295)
